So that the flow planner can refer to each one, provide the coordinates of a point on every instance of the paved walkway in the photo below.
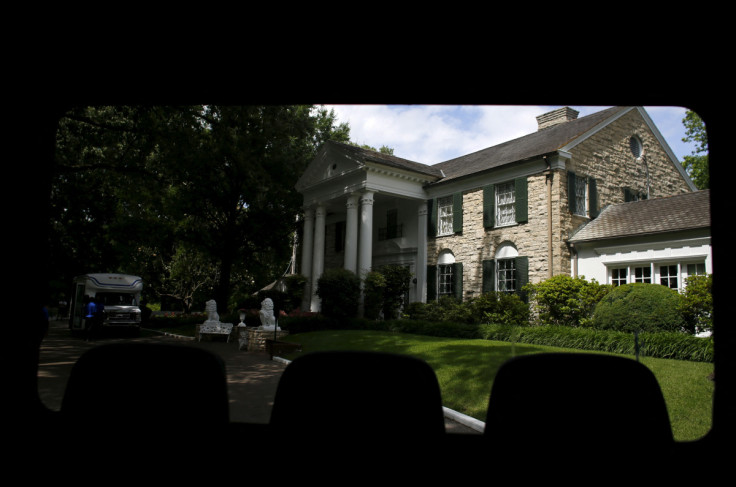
(252, 376)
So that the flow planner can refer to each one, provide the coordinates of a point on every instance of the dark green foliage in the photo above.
(565, 300)
(294, 291)
(696, 303)
(339, 290)
(639, 307)
(495, 307)
(503, 308)
(373, 290)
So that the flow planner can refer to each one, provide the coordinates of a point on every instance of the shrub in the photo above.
(339, 290)
(502, 308)
(565, 300)
(696, 303)
(373, 290)
(639, 307)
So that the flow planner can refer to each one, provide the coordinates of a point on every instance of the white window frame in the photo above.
(444, 216)
(505, 204)
(652, 272)
(619, 276)
(445, 271)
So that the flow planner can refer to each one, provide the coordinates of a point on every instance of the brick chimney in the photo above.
(556, 117)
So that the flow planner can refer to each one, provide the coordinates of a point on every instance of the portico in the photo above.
(372, 206)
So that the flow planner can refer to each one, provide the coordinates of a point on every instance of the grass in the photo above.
(465, 370)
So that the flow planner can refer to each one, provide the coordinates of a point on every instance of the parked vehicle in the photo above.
(120, 294)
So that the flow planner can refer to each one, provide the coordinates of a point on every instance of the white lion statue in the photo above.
(211, 308)
(268, 320)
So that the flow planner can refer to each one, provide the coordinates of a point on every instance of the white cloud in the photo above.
(436, 133)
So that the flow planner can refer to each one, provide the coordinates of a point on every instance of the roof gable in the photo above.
(539, 143)
(336, 159)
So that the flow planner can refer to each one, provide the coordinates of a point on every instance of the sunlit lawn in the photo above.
(465, 370)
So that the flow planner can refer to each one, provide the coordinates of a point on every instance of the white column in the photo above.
(421, 265)
(351, 234)
(365, 248)
(318, 256)
(306, 270)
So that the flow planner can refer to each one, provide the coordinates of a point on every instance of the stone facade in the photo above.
(597, 149)
(606, 157)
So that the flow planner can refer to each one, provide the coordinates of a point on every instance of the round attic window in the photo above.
(635, 146)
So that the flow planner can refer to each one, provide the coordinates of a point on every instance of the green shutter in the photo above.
(489, 276)
(593, 196)
(571, 191)
(457, 213)
(521, 266)
(522, 205)
(457, 280)
(432, 218)
(431, 283)
(489, 205)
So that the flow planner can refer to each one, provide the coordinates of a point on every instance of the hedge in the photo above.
(670, 345)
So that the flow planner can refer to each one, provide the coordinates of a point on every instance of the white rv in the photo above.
(120, 294)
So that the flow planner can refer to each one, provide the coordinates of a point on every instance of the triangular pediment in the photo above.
(331, 162)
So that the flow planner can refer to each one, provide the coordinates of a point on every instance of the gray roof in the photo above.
(660, 215)
(368, 155)
(536, 144)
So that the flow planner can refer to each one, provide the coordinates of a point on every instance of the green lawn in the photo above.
(465, 370)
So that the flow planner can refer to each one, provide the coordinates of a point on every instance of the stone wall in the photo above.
(605, 156)
(257, 338)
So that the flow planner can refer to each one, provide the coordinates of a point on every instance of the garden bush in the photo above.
(502, 308)
(639, 307)
(565, 300)
(696, 303)
(373, 289)
(339, 290)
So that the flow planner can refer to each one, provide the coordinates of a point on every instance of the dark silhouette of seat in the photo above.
(136, 385)
(358, 395)
(586, 402)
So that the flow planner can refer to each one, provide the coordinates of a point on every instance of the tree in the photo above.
(133, 182)
(696, 165)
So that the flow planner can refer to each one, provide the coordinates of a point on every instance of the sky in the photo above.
(435, 133)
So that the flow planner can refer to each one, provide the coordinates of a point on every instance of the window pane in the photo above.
(506, 281)
(445, 279)
(618, 276)
(643, 274)
(444, 211)
(505, 204)
(668, 276)
(581, 187)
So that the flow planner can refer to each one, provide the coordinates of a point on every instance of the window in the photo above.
(668, 276)
(696, 269)
(506, 276)
(444, 279)
(619, 276)
(581, 193)
(635, 146)
(444, 216)
(643, 274)
(505, 204)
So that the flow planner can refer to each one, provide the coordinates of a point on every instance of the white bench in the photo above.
(216, 329)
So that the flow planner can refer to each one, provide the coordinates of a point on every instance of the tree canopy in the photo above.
(696, 164)
(147, 189)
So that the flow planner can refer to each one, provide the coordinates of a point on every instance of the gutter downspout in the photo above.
(549, 176)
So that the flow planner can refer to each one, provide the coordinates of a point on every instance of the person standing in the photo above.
(89, 316)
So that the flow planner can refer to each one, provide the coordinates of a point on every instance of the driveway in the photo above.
(252, 377)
